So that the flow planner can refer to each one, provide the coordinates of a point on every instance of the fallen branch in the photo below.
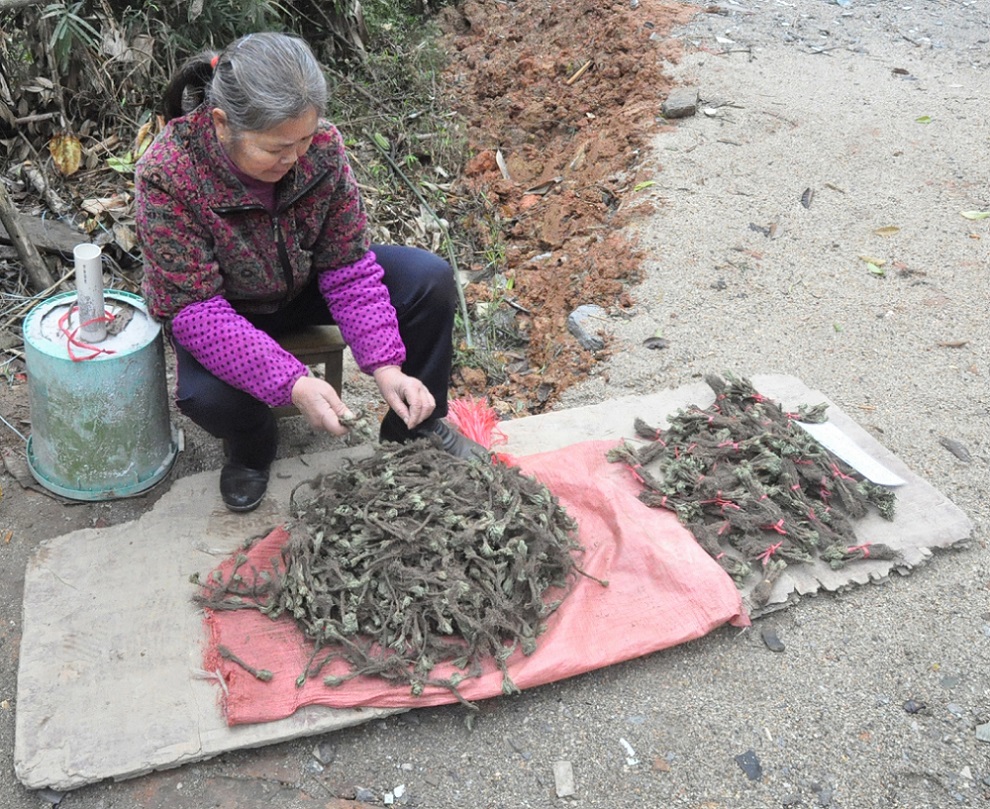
(32, 119)
(35, 267)
(578, 73)
(7, 5)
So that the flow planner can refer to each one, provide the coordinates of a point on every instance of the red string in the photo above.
(778, 527)
(632, 468)
(770, 551)
(70, 336)
(838, 473)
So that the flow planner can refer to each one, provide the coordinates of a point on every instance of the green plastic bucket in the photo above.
(100, 427)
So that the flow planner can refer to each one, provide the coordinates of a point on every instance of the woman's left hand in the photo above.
(407, 396)
(319, 403)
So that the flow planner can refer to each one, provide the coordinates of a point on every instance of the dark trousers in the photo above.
(423, 291)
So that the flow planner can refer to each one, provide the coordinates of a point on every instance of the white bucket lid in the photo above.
(45, 327)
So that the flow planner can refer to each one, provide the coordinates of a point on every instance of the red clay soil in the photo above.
(565, 95)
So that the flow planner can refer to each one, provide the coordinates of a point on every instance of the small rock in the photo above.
(681, 103)
(406, 767)
(563, 778)
(913, 706)
(313, 767)
(957, 448)
(399, 791)
(750, 764)
(956, 710)
(584, 322)
(661, 765)
(520, 749)
(324, 753)
(966, 773)
(656, 343)
(363, 795)
(773, 643)
(631, 759)
(52, 796)
(790, 800)
(983, 733)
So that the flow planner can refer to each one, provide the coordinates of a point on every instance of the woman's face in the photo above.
(267, 154)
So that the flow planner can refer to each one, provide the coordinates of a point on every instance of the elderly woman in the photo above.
(251, 225)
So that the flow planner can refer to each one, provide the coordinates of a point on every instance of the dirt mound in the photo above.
(559, 100)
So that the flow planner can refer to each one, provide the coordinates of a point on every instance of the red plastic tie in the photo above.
(72, 340)
(770, 551)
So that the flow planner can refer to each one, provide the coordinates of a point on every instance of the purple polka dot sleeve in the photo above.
(233, 350)
(360, 306)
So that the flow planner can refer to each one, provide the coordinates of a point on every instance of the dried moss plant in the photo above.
(754, 488)
(411, 558)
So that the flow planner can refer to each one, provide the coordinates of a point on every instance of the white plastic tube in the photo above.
(89, 292)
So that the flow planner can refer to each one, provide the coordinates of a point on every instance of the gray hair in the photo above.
(259, 81)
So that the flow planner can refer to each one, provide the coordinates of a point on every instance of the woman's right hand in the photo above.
(320, 404)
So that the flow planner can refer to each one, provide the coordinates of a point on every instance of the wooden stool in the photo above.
(316, 345)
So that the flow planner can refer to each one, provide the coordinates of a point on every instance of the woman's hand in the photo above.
(320, 404)
(409, 398)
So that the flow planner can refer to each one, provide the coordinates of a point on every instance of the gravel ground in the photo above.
(878, 108)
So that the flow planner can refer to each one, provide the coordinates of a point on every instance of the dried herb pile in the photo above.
(755, 489)
(410, 558)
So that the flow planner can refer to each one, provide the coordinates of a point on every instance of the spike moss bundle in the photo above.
(411, 558)
(754, 488)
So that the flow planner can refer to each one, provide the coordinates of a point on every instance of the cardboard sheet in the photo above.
(110, 683)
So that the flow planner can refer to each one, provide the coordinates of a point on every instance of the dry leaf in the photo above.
(97, 207)
(502, 166)
(125, 237)
(890, 230)
(145, 135)
(870, 260)
(543, 188)
(66, 152)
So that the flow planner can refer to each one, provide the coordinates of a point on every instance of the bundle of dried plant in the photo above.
(411, 558)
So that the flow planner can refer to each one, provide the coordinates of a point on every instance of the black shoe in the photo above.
(449, 440)
(241, 487)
